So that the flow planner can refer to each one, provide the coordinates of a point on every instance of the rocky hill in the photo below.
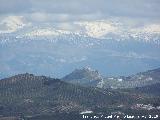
(89, 77)
(85, 76)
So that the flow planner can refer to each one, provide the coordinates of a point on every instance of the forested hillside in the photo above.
(29, 96)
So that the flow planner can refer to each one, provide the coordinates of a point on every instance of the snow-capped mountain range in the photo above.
(54, 49)
(99, 29)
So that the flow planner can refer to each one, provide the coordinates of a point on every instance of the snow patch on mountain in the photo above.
(42, 32)
(97, 29)
(151, 29)
(103, 29)
(12, 24)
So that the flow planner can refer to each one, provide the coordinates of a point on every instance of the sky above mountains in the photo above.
(136, 8)
(68, 10)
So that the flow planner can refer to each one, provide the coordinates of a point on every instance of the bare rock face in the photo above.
(85, 76)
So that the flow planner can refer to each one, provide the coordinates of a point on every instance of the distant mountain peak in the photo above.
(86, 72)
(87, 68)
(84, 76)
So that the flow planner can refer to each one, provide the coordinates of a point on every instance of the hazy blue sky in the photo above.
(82, 9)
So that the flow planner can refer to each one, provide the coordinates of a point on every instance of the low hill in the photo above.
(30, 96)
